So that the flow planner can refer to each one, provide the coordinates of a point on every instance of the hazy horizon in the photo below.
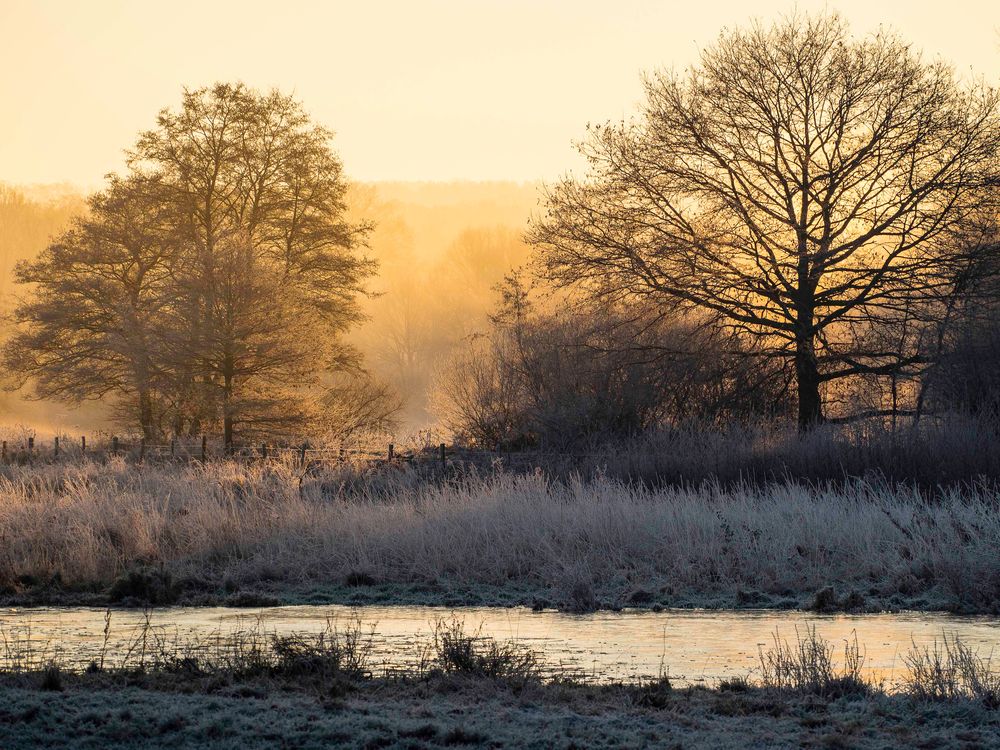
(441, 92)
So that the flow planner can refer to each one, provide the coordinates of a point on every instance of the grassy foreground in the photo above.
(258, 691)
(260, 533)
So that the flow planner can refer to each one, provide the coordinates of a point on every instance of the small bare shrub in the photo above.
(950, 669)
(52, 678)
(456, 652)
(334, 653)
(808, 667)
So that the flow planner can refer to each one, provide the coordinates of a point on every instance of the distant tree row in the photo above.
(210, 285)
(27, 222)
(804, 224)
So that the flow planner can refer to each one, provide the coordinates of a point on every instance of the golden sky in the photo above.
(415, 89)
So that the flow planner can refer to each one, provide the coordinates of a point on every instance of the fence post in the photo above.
(83, 445)
(302, 454)
(31, 446)
(392, 452)
(114, 445)
(204, 448)
(55, 449)
(442, 454)
(263, 450)
(173, 446)
(142, 449)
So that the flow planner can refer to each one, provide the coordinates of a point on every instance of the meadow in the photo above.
(765, 524)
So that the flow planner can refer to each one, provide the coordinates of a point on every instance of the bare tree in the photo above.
(796, 183)
(90, 325)
(272, 269)
(213, 283)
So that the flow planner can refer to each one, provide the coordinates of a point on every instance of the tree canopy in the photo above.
(804, 185)
(212, 283)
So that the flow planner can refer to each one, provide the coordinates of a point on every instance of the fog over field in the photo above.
(651, 335)
(442, 247)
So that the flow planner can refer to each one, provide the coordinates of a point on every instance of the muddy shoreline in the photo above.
(145, 591)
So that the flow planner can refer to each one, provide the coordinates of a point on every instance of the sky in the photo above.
(414, 89)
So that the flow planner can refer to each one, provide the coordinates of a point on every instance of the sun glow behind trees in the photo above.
(818, 200)
(210, 284)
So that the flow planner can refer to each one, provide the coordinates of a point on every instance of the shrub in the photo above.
(807, 667)
(455, 652)
(949, 670)
(146, 586)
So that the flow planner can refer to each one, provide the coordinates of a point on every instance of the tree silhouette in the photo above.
(213, 282)
(799, 183)
(90, 327)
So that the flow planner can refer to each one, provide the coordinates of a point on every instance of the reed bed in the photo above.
(161, 533)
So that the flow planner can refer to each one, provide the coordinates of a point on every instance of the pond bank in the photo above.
(693, 646)
(144, 587)
(461, 713)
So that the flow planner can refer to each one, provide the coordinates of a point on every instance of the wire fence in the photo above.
(68, 449)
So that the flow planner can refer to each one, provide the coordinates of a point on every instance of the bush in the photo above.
(457, 653)
(563, 378)
(950, 670)
(52, 678)
(145, 586)
(807, 667)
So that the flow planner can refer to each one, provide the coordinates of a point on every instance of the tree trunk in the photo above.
(146, 414)
(227, 415)
(806, 368)
(807, 383)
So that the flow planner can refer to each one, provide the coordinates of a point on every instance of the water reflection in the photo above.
(692, 646)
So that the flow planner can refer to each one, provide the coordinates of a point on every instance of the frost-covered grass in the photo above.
(258, 691)
(167, 533)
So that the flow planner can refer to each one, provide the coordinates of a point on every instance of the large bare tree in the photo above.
(272, 268)
(798, 182)
(212, 283)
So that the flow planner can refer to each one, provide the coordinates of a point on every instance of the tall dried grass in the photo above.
(231, 525)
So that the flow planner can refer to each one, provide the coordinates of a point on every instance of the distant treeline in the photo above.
(801, 227)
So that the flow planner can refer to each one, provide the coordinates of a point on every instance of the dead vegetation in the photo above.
(256, 533)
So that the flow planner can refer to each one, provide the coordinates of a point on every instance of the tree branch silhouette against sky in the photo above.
(436, 90)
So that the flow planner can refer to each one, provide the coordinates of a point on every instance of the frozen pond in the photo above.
(692, 646)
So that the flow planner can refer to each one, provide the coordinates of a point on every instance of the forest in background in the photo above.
(441, 248)
(802, 228)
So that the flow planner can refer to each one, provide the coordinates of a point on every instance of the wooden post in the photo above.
(83, 444)
(302, 454)
(392, 452)
(442, 454)
(114, 445)
(142, 449)
(263, 450)
(55, 449)
(204, 448)
(173, 447)
(31, 445)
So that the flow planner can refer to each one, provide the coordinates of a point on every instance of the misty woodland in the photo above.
(749, 358)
